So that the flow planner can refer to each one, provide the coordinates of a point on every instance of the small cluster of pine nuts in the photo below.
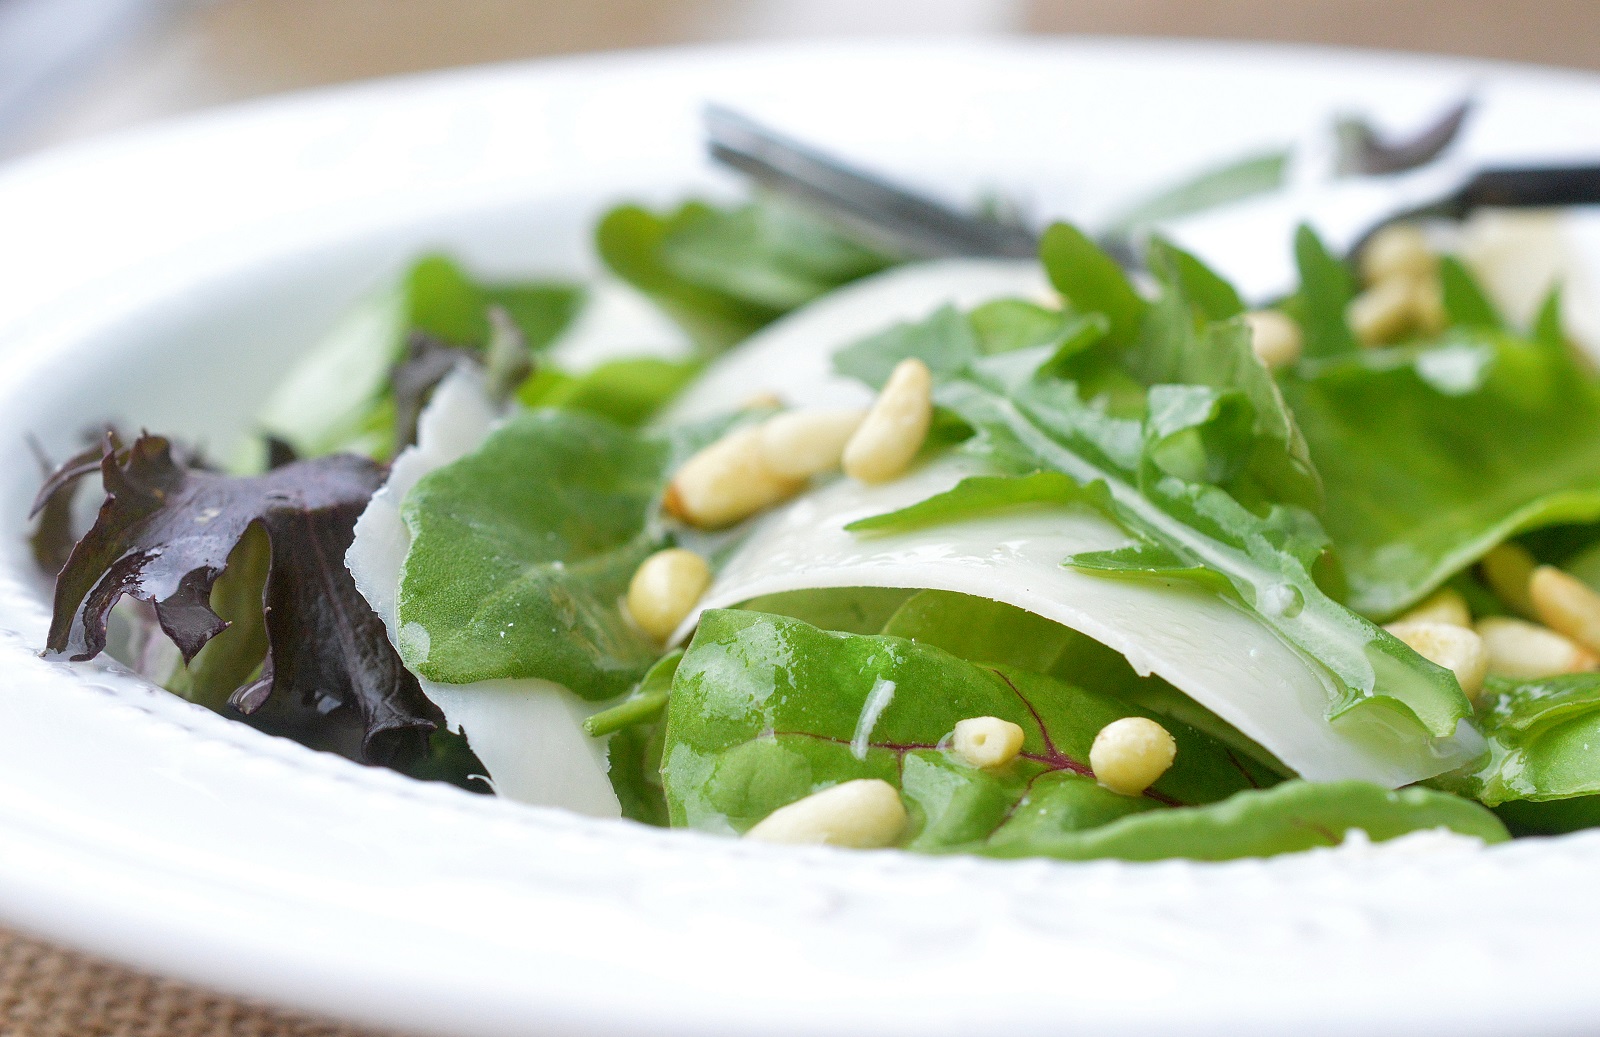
(1560, 629)
(1457, 648)
(754, 467)
(665, 589)
(727, 482)
(896, 426)
(1275, 337)
(1527, 651)
(1567, 605)
(863, 814)
(766, 399)
(805, 443)
(1445, 605)
(987, 741)
(1131, 754)
(1402, 288)
(1508, 569)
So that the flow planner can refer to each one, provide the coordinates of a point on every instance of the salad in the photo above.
(772, 534)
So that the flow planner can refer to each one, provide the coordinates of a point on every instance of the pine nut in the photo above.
(665, 589)
(1130, 754)
(1567, 605)
(987, 741)
(1527, 650)
(726, 482)
(1509, 570)
(1397, 252)
(1382, 313)
(1427, 306)
(863, 814)
(764, 400)
(895, 427)
(1446, 605)
(1275, 337)
(1456, 648)
(801, 444)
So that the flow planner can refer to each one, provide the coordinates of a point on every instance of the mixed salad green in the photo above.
(1116, 566)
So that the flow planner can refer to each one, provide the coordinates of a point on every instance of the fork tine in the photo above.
(893, 216)
(1370, 155)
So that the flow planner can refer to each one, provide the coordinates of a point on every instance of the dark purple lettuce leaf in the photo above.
(428, 362)
(53, 537)
(164, 534)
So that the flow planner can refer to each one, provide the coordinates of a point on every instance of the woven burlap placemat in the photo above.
(46, 991)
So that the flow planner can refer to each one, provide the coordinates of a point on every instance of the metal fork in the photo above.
(1234, 238)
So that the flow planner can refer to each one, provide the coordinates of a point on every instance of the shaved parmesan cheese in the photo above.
(528, 733)
(1200, 642)
(793, 357)
(1217, 653)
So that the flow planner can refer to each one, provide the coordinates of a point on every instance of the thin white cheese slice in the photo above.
(793, 357)
(1216, 652)
(528, 733)
(1206, 646)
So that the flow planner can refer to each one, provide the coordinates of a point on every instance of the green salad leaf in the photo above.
(767, 709)
(1431, 454)
(1466, 304)
(1175, 431)
(339, 397)
(1287, 818)
(853, 610)
(628, 391)
(1326, 290)
(1232, 181)
(638, 728)
(981, 630)
(1542, 738)
(522, 550)
(725, 272)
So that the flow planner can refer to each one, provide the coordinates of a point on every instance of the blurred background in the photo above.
(69, 68)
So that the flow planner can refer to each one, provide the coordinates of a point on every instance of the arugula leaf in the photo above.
(1433, 454)
(1326, 291)
(643, 705)
(1207, 474)
(1213, 297)
(522, 550)
(628, 391)
(1091, 281)
(1465, 302)
(165, 534)
(1524, 817)
(1293, 816)
(1541, 736)
(766, 709)
(979, 494)
(724, 273)
(1233, 181)
(638, 737)
(852, 610)
(981, 630)
(339, 395)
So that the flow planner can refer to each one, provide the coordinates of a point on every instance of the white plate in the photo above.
(162, 277)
